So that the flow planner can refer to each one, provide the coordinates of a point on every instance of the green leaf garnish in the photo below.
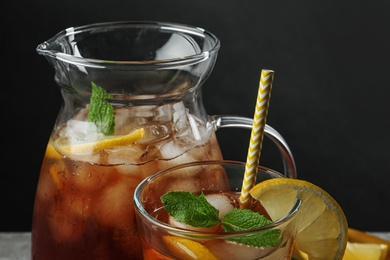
(245, 219)
(196, 211)
(100, 111)
(188, 208)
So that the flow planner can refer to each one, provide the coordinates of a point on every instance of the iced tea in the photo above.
(84, 201)
(164, 236)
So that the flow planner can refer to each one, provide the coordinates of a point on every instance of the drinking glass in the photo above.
(220, 182)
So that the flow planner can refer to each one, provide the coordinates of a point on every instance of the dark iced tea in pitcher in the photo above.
(84, 201)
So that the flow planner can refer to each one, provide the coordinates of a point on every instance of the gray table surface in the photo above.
(17, 245)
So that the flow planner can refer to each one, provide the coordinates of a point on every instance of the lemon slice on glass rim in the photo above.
(322, 226)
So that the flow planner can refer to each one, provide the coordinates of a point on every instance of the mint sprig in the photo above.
(196, 211)
(188, 208)
(245, 219)
(100, 111)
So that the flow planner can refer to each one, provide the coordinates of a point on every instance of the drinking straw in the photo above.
(256, 139)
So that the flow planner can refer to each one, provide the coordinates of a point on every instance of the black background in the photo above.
(329, 99)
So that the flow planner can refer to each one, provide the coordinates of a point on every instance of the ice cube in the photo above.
(164, 113)
(221, 202)
(179, 115)
(129, 118)
(67, 217)
(85, 177)
(65, 228)
(78, 132)
(172, 149)
(173, 222)
(114, 207)
(228, 250)
(187, 125)
(155, 131)
(139, 171)
(129, 154)
(192, 131)
(194, 127)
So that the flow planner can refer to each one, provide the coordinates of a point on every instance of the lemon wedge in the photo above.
(359, 240)
(322, 225)
(355, 235)
(187, 249)
(365, 251)
(51, 152)
(107, 143)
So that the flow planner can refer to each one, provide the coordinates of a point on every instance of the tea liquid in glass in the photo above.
(164, 237)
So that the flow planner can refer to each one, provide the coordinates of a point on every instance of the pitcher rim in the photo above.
(44, 48)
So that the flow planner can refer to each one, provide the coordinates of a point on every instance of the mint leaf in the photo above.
(100, 111)
(245, 219)
(196, 211)
(190, 209)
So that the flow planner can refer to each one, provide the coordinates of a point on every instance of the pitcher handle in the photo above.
(223, 121)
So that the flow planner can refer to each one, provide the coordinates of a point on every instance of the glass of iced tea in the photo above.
(132, 106)
(192, 211)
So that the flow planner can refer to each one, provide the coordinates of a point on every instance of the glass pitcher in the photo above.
(132, 106)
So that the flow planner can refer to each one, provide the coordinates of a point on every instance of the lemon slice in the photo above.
(365, 251)
(187, 249)
(355, 235)
(51, 152)
(106, 143)
(322, 225)
(361, 240)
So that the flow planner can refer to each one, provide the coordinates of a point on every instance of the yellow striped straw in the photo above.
(256, 139)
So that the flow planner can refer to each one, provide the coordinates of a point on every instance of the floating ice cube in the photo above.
(137, 171)
(77, 132)
(86, 177)
(67, 218)
(173, 149)
(186, 124)
(173, 222)
(124, 121)
(179, 115)
(164, 113)
(227, 250)
(155, 132)
(221, 202)
(129, 154)
(81, 126)
(115, 207)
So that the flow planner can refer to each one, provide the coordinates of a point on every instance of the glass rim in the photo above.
(44, 48)
(207, 234)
